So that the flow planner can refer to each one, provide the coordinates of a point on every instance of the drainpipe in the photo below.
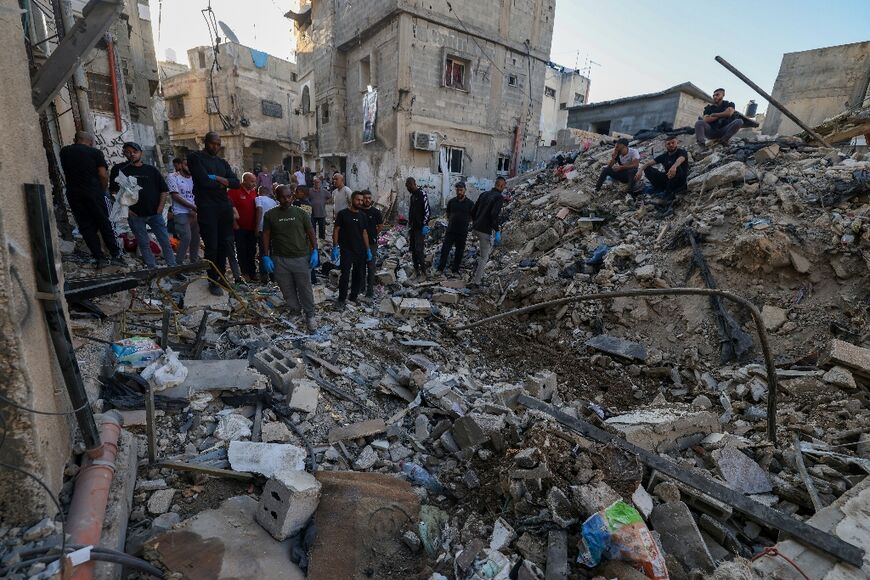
(88, 506)
(116, 103)
(515, 157)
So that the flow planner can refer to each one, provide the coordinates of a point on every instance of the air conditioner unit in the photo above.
(425, 141)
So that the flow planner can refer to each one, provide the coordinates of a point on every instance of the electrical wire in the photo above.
(11, 403)
(474, 39)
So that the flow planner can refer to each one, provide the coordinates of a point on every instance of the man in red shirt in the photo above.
(245, 228)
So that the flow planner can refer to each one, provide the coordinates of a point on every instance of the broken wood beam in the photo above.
(805, 476)
(804, 533)
(213, 471)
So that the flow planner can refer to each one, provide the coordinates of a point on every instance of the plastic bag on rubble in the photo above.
(136, 351)
(128, 195)
(619, 533)
(165, 372)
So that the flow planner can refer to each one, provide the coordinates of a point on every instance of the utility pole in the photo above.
(79, 84)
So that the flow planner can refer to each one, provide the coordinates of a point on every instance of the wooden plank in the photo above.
(213, 471)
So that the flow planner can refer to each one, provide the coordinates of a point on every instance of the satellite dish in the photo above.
(228, 32)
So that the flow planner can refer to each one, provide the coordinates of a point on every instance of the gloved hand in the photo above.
(369, 257)
(314, 261)
(268, 264)
(497, 238)
(212, 176)
(425, 230)
(335, 253)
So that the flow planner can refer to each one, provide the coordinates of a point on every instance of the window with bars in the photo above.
(175, 107)
(100, 92)
(504, 165)
(455, 73)
(550, 92)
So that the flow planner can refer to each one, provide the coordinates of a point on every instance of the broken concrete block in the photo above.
(680, 536)
(542, 385)
(531, 548)
(213, 375)
(799, 262)
(616, 346)
(164, 522)
(446, 298)
(232, 427)
(414, 307)
(281, 368)
(842, 353)
(527, 458)
(357, 430)
(593, 497)
(740, 472)
(643, 501)
(385, 277)
(766, 154)
(288, 501)
(467, 432)
(304, 395)
(575, 199)
(561, 510)
(197, 295)
(647, 272)
(265, 458)
(160, 501)
(502, 535)
(662, 430)
(773, 317)
(840, 377)
(275, 432)
(736, 171)
(45, 527)
(557, 556)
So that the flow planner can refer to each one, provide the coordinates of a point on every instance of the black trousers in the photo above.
(92, 217)
(622, 176)
(452, 240)
(661, 182)
(353, 267)
(319, 224)
(216, 231)
(246, 252)
(418, 253)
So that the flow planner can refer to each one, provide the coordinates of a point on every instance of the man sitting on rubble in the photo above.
(290, 253)
(622, 167)
(672, 180)
(719, 121)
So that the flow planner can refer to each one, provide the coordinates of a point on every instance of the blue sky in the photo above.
(645, 46)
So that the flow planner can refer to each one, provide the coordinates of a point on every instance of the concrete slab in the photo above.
(360, 522)
(848, 355)
(357, 430)
(213, 375)
(265, 458)
(661, 430)
(224, 543)
(197, 296)
(681, 537)
(740, 472)
(624, 349)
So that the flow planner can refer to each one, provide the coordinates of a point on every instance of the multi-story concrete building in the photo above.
(436, 90)
(246, 95)
(563, 88)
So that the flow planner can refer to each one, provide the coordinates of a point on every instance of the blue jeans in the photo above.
(139, 225)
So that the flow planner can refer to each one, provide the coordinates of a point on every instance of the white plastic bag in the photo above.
(165, 372)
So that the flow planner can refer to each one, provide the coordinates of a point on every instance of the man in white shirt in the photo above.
(340, 195)
(622, 167)
(264, 202)
(300, 177)
(184, 212)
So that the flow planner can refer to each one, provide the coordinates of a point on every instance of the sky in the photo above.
(640, 46)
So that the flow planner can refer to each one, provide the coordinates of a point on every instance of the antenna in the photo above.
(228, 32)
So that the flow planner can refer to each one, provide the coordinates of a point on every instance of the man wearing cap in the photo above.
(458, 220)
(148, 210)
(622, 167)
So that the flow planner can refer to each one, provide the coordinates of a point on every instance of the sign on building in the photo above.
(272, 109)
(370, 114)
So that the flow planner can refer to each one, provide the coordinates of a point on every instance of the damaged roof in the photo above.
(685, 87)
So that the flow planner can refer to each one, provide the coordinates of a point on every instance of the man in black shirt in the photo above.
(148, 210)
(87, 179)
(675, 162)
(376, 221)
(418, 218)
(458, 219)
(350, 242)
(719, 121)
(212, 176)
(485, 215)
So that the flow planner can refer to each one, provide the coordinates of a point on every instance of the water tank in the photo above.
(751, 109)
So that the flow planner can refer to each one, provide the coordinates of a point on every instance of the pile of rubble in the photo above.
(415, 448)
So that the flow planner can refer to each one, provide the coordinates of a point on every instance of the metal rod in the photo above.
(753, 310)
(47, 280)
(772, 101)
(150, 424)
(805, 476)
(164, 329)
(804, 533)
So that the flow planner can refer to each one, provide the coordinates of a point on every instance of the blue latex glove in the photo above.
(268, 264)
(314, 261)
(369, 257)
(335, 253)
(497, 238)
(425, 230)
(212, 176)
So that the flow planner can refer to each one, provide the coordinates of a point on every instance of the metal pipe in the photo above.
(47, 284)
(116, 102)
(753, 310)
(88, 506)
(772, 101)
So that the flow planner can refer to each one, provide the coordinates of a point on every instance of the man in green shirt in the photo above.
(290, 252)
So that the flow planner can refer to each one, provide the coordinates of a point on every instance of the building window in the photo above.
(578, 99)
(175, 107)
(271, 109)
(100, 92)
(454, 74)
(455, 160)
(306, 100)
(365, 73)
(201, 54)
(512, 80)
(550, 92)
(504, 165)
(324, 113)
(293, 77)
(563, 106)
(212, 105)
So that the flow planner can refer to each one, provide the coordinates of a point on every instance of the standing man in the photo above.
(212, 176)
(245, 233)
(458, 219)
(265, 202)
(300, 176)
(87, 179)
(340, 195)
(148, 211)
(350, 243)
(318, 196)
(264, 178)
(719, 121)
(418, 218)
(376, 224)
(622, 167)
(290, 252)
(184, 212)
(675, 162)
(485, 215)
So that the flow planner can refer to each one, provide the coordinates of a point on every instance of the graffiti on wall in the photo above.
(109, 140)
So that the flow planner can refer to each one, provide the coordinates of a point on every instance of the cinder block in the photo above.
(281, 368)
(304, 395)
(289, 500)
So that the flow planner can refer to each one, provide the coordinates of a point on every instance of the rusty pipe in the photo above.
(113, 74)
(88, 506)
